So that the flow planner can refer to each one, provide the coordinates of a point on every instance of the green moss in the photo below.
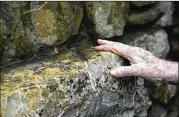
(68, 19)
(65, 55)
(45, 28)
(115, 18)
(21, 42)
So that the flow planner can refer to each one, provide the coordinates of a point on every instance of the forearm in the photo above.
(162, 70)
(170, 74)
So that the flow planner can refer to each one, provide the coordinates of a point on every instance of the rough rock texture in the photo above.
(55, 22)
(75, 83)
(31, 25)
(16, 41)
(107, 19)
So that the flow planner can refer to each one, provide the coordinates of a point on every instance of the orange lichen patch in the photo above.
(44, 21)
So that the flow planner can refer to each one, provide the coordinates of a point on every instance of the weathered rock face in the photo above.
(31, 25)
(16, 41)
(55, 22)
(75, 83)
(107, 19)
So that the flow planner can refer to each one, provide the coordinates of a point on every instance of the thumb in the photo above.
(125, 71)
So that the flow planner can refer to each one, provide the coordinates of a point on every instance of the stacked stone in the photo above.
(49, 67)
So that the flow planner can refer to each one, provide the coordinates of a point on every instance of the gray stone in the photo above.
(55, 22)
(107, 19)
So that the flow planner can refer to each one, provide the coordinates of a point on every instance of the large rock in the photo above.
(16, 41)
(75, 83)
(34, 25)
(107, 19)
(55, 22)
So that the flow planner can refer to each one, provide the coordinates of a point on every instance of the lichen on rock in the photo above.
(74, 81)
(56, 22)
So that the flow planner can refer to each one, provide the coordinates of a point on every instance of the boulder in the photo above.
(75, 83)
(107, 19)
(16, 41)
(55, 22)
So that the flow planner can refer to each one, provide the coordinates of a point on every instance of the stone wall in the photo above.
(49, 67)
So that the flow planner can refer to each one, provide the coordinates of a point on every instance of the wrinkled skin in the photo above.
(143, 63)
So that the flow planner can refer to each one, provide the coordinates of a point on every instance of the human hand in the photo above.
(143, 63)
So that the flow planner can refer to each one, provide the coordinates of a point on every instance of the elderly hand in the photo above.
(143, 63)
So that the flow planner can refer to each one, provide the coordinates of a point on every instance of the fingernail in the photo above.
(113, 72)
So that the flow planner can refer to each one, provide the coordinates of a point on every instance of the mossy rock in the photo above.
(68, 82)
(15, 38)
(36, 83)
(23, 46)
(105, 20)
(57, 22)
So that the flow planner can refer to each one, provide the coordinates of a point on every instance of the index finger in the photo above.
(104, 42)
(119, 49)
